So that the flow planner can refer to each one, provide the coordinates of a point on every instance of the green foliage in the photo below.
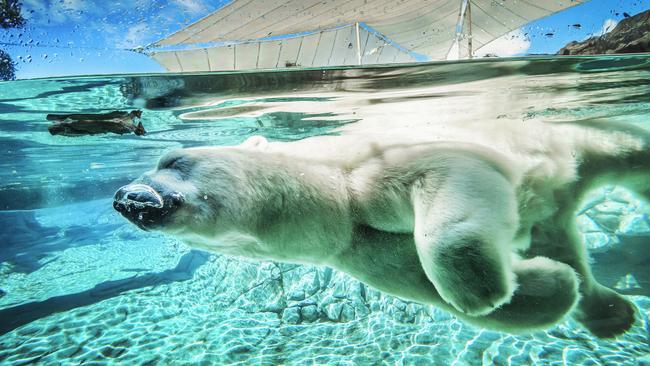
(10, 16)
(7, 67)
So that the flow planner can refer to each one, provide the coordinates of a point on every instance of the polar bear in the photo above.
(478, 221)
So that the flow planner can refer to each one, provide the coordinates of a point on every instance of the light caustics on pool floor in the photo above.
(80, 285)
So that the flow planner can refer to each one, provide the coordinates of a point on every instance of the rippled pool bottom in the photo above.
(137, 298)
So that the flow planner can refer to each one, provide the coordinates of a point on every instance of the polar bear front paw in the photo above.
(478, 301)
(472, 283)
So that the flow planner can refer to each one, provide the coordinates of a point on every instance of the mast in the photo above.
(463, 15)
(469, 22)
(356, 27)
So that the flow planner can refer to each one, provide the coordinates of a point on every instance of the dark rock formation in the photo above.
(631, 35)
(95, 123)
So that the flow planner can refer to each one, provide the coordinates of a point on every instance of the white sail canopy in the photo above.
(333, 47)
(428, 27)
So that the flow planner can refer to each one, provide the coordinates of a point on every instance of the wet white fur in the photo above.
(438, 216)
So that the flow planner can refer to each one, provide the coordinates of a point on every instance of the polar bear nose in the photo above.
(137, 196)
(143, 205)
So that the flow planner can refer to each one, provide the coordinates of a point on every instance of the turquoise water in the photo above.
(80, 285)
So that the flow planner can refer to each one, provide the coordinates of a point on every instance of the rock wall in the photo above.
(631, 35)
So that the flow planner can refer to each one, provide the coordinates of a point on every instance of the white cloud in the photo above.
(72, 5)
(514, 43)
(134, 37)
(608, 26)
(44, 12)
(192, 6)
(31, 7)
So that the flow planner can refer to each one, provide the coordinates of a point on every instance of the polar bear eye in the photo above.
(173, 163)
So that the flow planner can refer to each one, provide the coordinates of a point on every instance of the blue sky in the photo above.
(73, 37)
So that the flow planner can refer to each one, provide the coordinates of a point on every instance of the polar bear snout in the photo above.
(144, 206)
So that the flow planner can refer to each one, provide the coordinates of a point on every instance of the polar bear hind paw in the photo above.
(605, 313)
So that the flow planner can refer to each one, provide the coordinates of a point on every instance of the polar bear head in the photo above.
(202, 191)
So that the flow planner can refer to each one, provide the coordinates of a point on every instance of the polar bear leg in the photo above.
(547, 291)
(604, 312)
(465, 220)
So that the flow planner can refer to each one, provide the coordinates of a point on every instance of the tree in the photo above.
(10, 17)
(7, 67)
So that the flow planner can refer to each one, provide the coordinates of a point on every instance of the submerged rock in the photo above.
(96, 123)
(291, 315)
(631, 35)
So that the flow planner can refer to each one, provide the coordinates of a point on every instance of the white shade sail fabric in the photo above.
(325, 48)
(428, 27)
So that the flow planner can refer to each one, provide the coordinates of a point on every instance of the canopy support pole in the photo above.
(469, 23)
(460, 25)
(356, 28)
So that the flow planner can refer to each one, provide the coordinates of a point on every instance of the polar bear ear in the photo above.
(256, 143)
